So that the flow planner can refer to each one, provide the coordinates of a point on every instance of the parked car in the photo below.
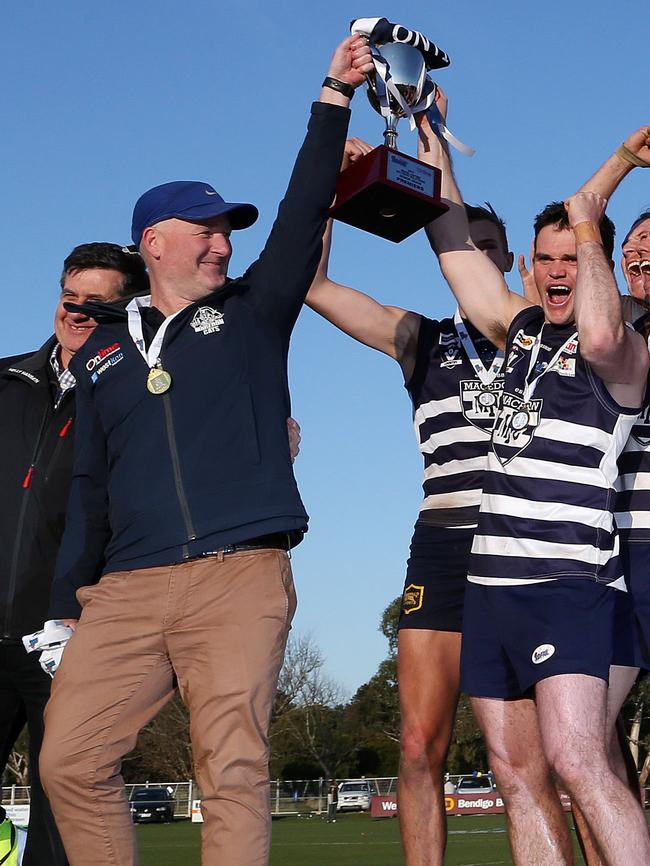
(153, 804)
(355, 794)
(477, 783)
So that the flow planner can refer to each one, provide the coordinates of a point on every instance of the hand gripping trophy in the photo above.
(386, 192)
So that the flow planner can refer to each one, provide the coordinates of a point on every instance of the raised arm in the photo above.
(476, 282)
(634, 152)
(616, 353)
(283, 273)
(391, 330)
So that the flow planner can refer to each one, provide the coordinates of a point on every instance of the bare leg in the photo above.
(429, 674)
(572, 711)
(537, 828)
(621, 680)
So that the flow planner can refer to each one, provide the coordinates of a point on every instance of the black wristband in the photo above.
(339, 86)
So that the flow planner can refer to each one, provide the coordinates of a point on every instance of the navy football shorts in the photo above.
(436, 577)
(635, 641)
(515, 636)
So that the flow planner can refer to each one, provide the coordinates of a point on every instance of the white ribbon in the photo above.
(152, 354)
(486, 376)
(384, 84)
(50, 641)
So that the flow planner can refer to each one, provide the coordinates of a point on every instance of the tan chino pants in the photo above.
(219, 625)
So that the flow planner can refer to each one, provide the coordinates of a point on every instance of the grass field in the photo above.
(354, 840)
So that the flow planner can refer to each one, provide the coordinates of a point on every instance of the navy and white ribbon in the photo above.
(381, 31)
(486, 376)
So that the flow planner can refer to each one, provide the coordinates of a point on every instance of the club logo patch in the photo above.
(481, 403)
(542, 653)
(412, 598)
(207, 320)
(515, 426)
(451, 351)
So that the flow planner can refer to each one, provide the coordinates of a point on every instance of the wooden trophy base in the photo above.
(388, 194)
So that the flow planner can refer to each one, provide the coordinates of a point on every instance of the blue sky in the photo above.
(101, 101)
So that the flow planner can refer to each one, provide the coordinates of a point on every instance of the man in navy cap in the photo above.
(184, 503)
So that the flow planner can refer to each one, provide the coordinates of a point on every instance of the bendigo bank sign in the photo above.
(455, 804)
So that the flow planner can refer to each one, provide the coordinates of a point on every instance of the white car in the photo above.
(481, 783)
(355, 794)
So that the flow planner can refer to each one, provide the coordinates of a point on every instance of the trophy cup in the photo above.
(385, 192)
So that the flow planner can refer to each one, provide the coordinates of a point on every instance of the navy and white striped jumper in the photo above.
(548, 501)
(453, 416)
(633, 484)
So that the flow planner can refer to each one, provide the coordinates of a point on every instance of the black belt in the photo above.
(275, 541)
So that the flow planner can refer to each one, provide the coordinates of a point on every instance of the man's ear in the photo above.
(510, 260)
(151, 242)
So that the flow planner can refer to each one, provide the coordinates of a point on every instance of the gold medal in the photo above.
(158, 381)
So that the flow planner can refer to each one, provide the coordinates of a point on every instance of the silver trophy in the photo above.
(385, 192)
(402, 68)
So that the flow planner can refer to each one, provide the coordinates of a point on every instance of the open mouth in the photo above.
(558, 295)
(641, 267)
(79, 329)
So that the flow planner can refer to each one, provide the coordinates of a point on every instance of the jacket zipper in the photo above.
(11, 589)
(178, 478)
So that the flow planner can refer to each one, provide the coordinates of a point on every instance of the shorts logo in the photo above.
(207, 321)
(542, 653)
(481, 402)
(412, 598)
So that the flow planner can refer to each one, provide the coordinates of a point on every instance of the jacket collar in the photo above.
(116, 311)
(35, 368)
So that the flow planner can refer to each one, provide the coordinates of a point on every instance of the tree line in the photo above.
(316, 731)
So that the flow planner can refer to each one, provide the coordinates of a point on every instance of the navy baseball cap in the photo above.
(187, 200)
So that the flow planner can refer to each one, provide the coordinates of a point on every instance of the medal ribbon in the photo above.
(529, 386)
(151, 355)
(486, 376)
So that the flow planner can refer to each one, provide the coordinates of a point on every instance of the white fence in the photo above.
(184, 792)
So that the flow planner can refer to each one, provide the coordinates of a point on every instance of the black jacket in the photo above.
(35, 473)
(162, 478)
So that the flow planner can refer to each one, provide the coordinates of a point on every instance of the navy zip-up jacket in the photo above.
(161, 478)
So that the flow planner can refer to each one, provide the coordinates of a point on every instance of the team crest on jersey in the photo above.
(451, 352)
(515, 426)
(207, 320)
(481, 402)
(412, 598)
